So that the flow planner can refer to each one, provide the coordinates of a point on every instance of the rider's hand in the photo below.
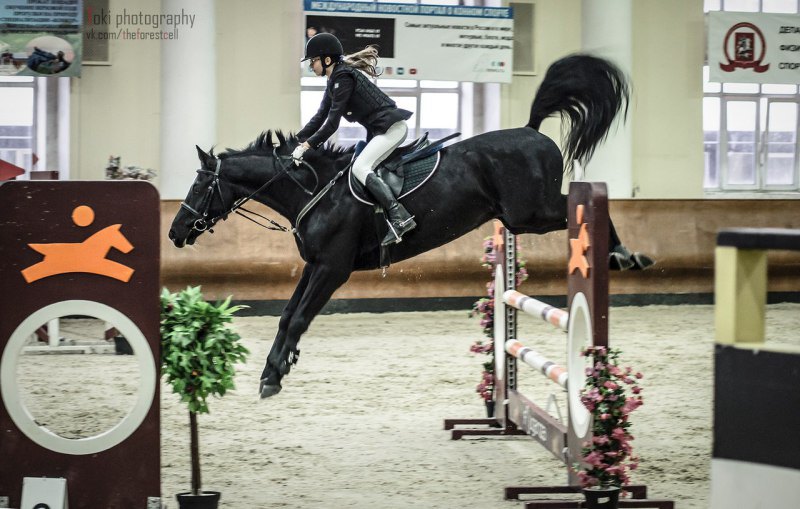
(297, 154)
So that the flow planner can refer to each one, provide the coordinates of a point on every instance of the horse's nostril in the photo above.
(171, 235)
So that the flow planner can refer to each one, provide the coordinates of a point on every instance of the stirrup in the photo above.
(398, 237)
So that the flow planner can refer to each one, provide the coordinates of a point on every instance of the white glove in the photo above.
(297, 154)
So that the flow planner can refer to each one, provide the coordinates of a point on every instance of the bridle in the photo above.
(214, 189)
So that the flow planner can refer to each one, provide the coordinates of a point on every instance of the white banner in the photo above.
(750, 47)
(424, 42)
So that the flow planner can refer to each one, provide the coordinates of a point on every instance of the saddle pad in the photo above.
(416, 174)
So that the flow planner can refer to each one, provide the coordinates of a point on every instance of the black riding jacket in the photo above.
(350, 94)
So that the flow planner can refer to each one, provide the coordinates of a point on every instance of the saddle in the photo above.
(406, 168)
(404, 171)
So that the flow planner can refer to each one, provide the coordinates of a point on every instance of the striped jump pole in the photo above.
(537, 361)
(552, 315)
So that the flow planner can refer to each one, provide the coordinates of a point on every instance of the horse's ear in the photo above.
(204, 158)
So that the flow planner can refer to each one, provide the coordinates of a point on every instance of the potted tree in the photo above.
(199, 350)
(608, 457)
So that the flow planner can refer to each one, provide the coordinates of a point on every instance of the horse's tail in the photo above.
(589, 92)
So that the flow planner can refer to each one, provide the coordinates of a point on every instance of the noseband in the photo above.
(202, 223)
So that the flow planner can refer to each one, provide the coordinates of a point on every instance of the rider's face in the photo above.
(316, 65)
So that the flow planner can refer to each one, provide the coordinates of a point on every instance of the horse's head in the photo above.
(263, 172)
(204, 204)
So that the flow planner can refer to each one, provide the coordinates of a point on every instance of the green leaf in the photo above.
(200, 347)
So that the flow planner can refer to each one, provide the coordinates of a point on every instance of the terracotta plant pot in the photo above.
(206, 500)
(602, 497)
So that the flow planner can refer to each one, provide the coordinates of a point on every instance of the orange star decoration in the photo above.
(497, 238)
(579, 246)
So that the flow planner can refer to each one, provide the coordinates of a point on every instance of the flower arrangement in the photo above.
(484, 307)
(609, 456)
(116, 172)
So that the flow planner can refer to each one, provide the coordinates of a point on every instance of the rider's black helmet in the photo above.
(323, 44)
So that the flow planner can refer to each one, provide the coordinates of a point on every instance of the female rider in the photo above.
(350, 94)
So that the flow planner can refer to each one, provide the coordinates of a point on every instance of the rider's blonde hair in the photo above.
(364, 60)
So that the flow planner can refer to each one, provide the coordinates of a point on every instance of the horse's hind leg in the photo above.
(546, 218)
(323, 281)
(552, 216)
(620, 258)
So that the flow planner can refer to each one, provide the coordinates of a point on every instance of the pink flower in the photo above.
(639, 375)
(631, 405)
(605, 417)
(611, 385)
(594, 458)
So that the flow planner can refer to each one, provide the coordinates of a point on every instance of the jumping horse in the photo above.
(513, 175)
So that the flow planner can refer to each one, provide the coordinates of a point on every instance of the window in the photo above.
(749, 129)
(17, 140)
(34, 124)
(438, 107)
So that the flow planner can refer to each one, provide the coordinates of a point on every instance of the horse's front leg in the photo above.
(270, 376)
(323, 280)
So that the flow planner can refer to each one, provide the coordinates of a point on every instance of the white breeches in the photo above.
(379, 149)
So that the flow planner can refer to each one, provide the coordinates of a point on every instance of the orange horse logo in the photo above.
(88, 256)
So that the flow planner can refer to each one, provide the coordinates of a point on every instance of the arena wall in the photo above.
(251, 263)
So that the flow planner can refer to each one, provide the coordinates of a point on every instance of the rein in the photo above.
(202, 223)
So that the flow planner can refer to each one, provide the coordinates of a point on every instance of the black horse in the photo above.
(513, 175)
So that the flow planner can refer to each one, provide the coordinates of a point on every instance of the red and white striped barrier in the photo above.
(552, 315)
(537, 361)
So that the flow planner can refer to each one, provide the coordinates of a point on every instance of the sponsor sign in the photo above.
(748, 47)
(425, 42)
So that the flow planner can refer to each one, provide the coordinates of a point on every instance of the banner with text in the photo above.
(749, 47)
(40, 37)
(424, 42)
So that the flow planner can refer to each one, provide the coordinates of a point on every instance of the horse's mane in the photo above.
(264, 145)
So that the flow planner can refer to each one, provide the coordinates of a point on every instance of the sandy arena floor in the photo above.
(359, 422)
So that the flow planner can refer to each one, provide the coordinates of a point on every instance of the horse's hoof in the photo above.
(620, 262)
(268, 390)
(641, 261)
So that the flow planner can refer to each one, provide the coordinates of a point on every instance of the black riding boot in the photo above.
(400, 221)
